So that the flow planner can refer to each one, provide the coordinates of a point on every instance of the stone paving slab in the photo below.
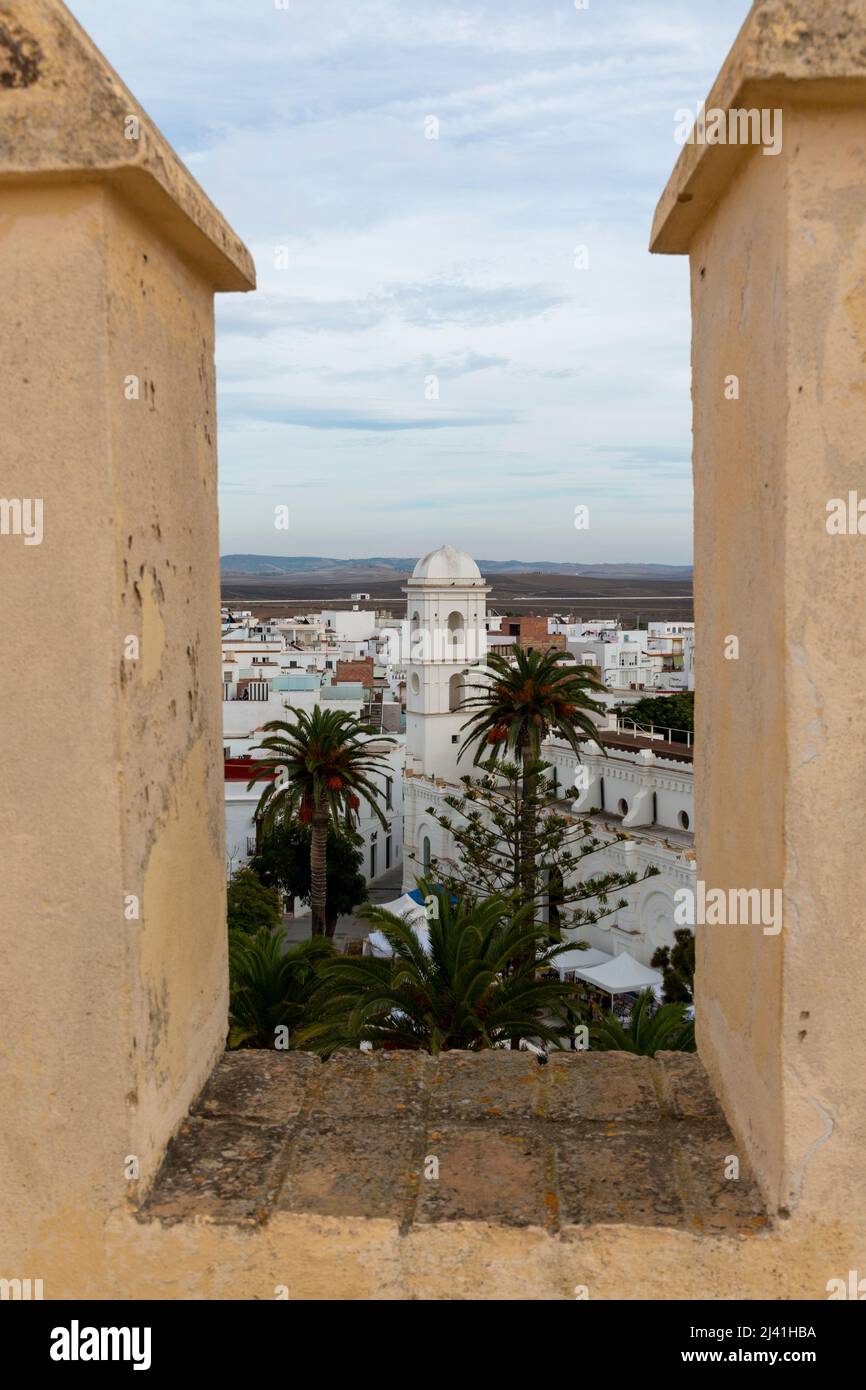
(587, 1138)
(257, 1086)
(384, 1084)
(615, 1174)
(600, 1086)
(221, 1170)
(482, 1171)
(340, 1168)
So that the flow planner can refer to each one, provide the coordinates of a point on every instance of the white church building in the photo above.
(640, 787)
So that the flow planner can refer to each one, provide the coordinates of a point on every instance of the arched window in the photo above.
(455, 692)
(456, 629)
(415, 683)
(684, 820)
(425, 855)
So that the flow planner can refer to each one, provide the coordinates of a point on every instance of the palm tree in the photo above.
(270, 986)
(649, 1030)
(473, 987)
(317, 769)
(522, 700)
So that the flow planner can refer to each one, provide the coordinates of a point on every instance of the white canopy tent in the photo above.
(411, 912)
(574, 962)
(621, 975)
(405, 907)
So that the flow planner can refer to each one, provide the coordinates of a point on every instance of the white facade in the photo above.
(620, 657)
(446, 607)
(647, 920)
(446, 604)
(264, 675)
(382, 848)
(349, 624)
(649, 795)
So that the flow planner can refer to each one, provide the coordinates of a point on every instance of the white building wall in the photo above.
(241, 805)
(242, 717)
(349, 624)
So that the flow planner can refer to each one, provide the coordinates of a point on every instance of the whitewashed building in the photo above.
(264, 676)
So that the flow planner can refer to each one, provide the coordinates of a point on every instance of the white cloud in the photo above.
(453, 257)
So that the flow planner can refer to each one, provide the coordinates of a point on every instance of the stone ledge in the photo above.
(787, 51)
(494, 1137)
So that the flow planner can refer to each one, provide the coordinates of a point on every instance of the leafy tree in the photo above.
(521, 700)
(675, 712)
(486, 822)
(678, 965)
(283, 860)
(252, 905)
(473, 989)
(270, 986)
(650, 1030)
(317, 769)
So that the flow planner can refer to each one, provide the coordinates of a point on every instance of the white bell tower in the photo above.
(446, 609)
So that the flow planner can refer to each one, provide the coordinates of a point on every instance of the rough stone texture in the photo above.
(231, 1167)
(491, 1137)
(65, 116)
(113, 970)
(256, 1086)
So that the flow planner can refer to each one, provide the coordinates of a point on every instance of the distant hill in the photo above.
(388, 565)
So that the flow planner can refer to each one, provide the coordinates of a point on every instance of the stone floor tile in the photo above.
(261, 1086)
(370, 1084)
(222, 1170)
(488, 1172)
(685, 1087)
(365, 1168)
(600, 1086)
(616, 1174)
(492, 1085)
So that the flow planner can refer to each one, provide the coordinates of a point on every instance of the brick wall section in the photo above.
(361, 670)
(532, 632)
(585, 1139)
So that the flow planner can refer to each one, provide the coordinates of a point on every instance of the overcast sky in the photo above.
(411, 258)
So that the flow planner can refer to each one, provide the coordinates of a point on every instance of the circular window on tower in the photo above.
(415, 683)
(684, 820)
(623, 808)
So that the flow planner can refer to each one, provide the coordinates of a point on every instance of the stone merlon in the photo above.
(66, 115)
(787, 52)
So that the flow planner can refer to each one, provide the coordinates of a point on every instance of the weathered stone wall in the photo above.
(777, 246)
(112, 895)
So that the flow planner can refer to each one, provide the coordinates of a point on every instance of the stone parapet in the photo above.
(493, 1137)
